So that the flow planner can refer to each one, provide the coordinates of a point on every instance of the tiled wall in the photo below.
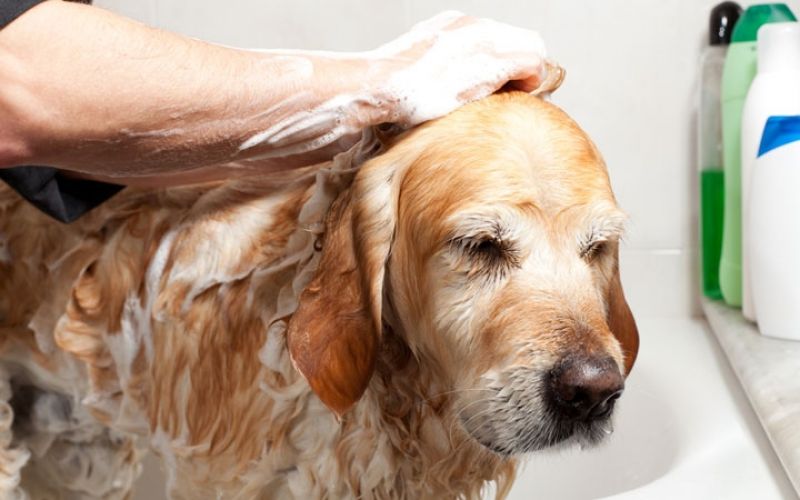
(631, 71)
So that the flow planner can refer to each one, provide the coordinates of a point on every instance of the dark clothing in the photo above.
(48, 189)
(53, 193)
(12, 9)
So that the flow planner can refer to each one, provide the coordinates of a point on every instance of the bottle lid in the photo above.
(721, 22)
(746, 29)
(779, 47)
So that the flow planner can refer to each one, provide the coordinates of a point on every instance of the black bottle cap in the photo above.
(720, 24)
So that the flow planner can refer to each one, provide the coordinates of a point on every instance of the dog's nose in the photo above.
(585, 388)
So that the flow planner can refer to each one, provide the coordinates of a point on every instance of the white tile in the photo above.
(141, 10)
(661, 283)
(344, 25)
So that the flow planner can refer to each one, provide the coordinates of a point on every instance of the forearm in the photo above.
(85, 90)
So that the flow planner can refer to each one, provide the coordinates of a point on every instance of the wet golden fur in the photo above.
(319, 340)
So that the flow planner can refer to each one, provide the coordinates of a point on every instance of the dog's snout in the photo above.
(585, 388)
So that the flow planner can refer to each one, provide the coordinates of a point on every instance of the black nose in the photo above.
(585, 388)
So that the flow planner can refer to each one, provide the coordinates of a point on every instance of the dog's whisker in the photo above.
(476, 417)
(465, 424)
(457, 421)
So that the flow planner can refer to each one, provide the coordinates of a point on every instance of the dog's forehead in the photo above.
(507, 150)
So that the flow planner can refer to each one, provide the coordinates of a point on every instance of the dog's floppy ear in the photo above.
(620, 318)
(334, 335)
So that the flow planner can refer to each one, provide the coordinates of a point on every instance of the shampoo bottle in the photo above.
(774, 91)
(709, 127)
(774, 237)
(738, 72)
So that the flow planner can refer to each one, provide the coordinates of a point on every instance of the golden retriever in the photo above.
(402, 329)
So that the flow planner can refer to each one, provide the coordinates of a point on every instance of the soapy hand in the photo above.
(439, 65)
(452, 59)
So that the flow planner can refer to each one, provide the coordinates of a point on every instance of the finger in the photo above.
(553, 79)
(528, 76)
(528, 85)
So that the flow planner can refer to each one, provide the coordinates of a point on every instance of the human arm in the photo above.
(92, 92)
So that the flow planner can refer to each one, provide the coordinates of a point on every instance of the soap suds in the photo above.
(426, 87)
(445, 62)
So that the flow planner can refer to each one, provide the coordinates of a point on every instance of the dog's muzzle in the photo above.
(571, 402)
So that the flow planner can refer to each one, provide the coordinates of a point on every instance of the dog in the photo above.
(406, 328)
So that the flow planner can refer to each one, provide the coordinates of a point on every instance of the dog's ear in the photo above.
(334, 335)
(620, 318)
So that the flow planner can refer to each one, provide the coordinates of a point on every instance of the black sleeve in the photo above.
(53, 193)
(12, 9)
(48, 189)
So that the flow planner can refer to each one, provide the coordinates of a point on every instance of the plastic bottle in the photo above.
(774, 238)
(737, 74)
(721, 22)
(774, 91)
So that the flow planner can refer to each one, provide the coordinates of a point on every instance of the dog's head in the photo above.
(489, 241)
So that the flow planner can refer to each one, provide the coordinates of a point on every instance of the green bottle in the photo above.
(722, 20)
(737, 74)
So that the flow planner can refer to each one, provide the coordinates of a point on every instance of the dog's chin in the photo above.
(548, 434)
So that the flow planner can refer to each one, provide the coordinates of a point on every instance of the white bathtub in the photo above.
(684, 430)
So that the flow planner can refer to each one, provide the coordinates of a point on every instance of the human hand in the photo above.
(452, 59)
(439, 65)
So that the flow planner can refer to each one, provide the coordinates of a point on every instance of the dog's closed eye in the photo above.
(485, 253)
(594, 250)
(489, 249)
(601, 237)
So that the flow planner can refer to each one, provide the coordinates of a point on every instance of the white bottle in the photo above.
(774, 91)
(774, 237)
